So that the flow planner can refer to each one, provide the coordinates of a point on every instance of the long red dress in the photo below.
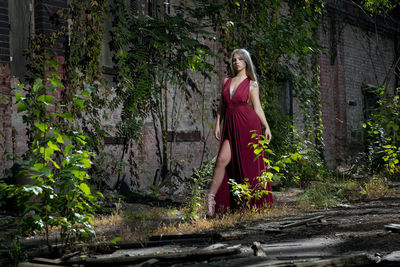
(240, 119)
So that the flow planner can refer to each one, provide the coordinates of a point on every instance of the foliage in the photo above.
(321, 195)
(379, 6)
(375, 187)
(83, 69)
(204, 174)
(153, 55)
(56, 164)
(199, 182)
(382, 127)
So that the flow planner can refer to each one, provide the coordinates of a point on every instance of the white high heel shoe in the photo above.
(210, 202)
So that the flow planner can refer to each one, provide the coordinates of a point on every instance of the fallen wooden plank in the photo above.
(47, 261)
(350, 260)
(198, 255)
(214, 236)
(298, 223)
(31, 264)
(150, 244)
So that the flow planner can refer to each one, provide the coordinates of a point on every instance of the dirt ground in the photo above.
(362, 233)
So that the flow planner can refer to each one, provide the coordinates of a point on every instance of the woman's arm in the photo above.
(217, 132)
(255, 100)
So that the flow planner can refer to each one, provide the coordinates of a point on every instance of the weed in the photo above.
(376, 187)
(320, 195)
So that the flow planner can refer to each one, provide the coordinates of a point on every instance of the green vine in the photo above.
(152, 56)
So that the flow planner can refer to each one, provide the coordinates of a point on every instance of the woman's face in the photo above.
(238, 63)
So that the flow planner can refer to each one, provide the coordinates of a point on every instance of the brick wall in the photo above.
(355, 55)
(369, 63)
(333, 93)
(6, 134)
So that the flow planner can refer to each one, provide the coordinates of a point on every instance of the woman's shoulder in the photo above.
(253, 83)
(226, 79)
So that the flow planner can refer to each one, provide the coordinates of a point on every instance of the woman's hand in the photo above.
(217, 132)
(267, 134)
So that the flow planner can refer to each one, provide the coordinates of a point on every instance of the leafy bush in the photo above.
(382, 129)
(200, 181)
(57, 193)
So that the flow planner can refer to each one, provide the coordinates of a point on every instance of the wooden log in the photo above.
(198, 255)
(31, 264)
(47, 261)
(349, 260)
(214, 236)
(298, 223)
(150, 244)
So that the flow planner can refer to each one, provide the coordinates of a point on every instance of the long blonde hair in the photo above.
(245, 55)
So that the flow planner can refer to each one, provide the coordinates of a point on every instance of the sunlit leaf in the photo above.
(85, 188)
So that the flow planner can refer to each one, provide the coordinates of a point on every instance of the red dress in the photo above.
(240, 119)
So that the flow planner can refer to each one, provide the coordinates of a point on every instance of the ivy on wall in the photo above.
(152, 56)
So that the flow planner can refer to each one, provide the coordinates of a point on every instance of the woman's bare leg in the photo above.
(223, 160)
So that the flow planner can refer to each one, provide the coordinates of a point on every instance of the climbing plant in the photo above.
(153, 57)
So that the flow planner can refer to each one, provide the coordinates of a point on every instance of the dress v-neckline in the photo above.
(232, 93)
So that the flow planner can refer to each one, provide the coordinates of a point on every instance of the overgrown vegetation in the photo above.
(52, 190)
(155, 57)
(382, 155)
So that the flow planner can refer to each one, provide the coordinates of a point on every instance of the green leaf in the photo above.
(55, 82)
(67, 116)
(53, 146)
(258, 150)
(68, 149)
(37, 85)
(18, 97)
(47, 152)
(81, 175)
(22, 107)
(45, 98)
(85, 188)
(36, 112)
(115, 240)
(79, 103)
(276, 168)
(81, 140)
(53, 63)
(39, 166)
(54, 163)
(86, 163)
(42, 126)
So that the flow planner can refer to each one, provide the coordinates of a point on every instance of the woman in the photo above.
(235, 157)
